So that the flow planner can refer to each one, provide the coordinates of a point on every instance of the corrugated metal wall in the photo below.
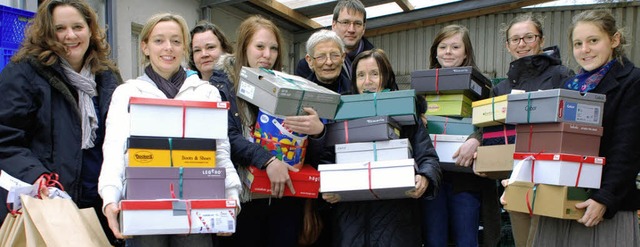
(409, 50)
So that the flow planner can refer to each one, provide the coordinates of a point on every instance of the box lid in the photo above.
(448, 138)
(561, 157)
(306, 173)
(378, 96)
(467, 70)
(176, 204)
(377, 145)
(363, 122)
(452, 120)
(449, 97)
(491, 100)
(174, 173)
(179, 103)
(167, 143)
(557, 93)
(561, 126)
(285, 85)
(366, 165)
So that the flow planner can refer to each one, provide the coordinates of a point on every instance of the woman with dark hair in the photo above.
(208, 44)
(55, 96)
(386, 222)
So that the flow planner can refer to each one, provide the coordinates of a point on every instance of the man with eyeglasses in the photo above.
(349, 22)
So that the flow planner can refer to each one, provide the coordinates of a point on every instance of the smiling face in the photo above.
(326, 71)
(451, 51)
(592, 47)
(368, 76)
(73, 32)
(206, 51)
(350, 28)
(522, 48)
(165, 48)
(262, 51)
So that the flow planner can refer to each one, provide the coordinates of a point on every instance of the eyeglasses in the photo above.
(345, 23)
(529, 38)
(335, 57)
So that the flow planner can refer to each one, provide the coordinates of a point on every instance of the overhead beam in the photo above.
(218, 3)
(405, 5)
(287, 13)
(442, 13)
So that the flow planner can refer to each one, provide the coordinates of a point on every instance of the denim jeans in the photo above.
(458, 213)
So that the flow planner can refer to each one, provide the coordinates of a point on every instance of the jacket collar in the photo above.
(144, 83)
(54, 76)
(611, 79)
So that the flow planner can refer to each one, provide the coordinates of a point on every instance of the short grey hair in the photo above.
(323, 36)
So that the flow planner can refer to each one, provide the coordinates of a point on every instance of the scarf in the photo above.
(586, 81)
(171, 87)
(84, 82)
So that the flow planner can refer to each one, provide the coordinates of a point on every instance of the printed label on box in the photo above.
(475, 86)
(246, 89)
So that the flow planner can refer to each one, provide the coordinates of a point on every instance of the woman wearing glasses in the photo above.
(534, 68)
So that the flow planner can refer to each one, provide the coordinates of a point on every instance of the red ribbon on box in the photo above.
(530, 203)
(370, 186)
(562, 157)
(346, 131)
(437, 80)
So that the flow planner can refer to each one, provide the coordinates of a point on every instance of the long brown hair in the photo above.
(445, 33)
(41, 41)
(246, 30)
(387, 76)
(604, 20)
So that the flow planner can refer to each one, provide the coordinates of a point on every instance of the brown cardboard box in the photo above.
(495, 161)
(568, 138)
(546, 200)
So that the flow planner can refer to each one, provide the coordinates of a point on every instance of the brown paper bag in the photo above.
(15, 235)
(49, 222)
(6, 228)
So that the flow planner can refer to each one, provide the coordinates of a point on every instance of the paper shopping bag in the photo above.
(49, 222)
(15, 234)
(6, 228)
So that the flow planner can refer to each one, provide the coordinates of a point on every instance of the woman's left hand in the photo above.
(421, 186)
(593, 214)
(466, 153)
(309, 124)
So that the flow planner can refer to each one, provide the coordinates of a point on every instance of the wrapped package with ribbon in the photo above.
(285, 95)
(178, 118)
(446, 146)
(290, 147)
(450, 125)
(171, 152)
(545, 200)
(452, 105)
(558, 169)
(571, 138)
(306, 182)
(399, 105)
(156, 217)
(373, 151)
(451, 81)
(378, 128)
(489, 112)
(555, 105)
(366, 181)
(149, 183)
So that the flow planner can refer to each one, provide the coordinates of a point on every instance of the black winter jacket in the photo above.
(530, 73)
(390, 222)
(40, 122)
(620, 142)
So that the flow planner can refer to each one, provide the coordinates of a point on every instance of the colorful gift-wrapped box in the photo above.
(399, 105)
(178, 118)
(171, 152)
(446, 146)
(555, 105)
(451, 80)
(285, 95)
(495, 161)
(290, 147)
(489, 112)
(558, 169)
(368, 180)
(305, 182)
(449, 125)
(373, 151)
(546, 200)
(377, 128)
(149, 183)
(569, 138)
(453, 105)
(159, 217)
(499, 135)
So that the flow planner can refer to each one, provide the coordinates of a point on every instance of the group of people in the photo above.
(64, 110)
